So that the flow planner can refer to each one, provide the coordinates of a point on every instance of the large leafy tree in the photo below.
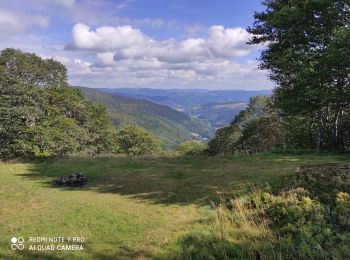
(255, 129)
(308, 58)
(135, 140)
(40, 115)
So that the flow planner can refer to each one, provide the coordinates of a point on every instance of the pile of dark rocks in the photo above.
(75, 179)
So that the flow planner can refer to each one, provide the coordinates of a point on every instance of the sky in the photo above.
(140, 43)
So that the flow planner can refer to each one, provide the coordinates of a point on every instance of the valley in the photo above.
(215, 108)
(170, 126)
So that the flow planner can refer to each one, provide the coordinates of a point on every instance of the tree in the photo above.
(135, 140)
(40, 115)
(225, 140)
(191, 148)
(308, 58)
(30, 69)
(262, 134)
(55, 136)
(255, 129)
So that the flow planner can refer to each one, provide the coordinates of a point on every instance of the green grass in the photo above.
(132, 207)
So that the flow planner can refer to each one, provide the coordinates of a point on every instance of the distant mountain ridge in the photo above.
(169, 125)
(215, 107)
(218, 114)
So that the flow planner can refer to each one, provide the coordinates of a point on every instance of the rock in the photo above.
(75, 179)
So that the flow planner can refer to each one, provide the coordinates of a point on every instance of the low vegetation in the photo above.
(309, 221)
(191, 148)
(137, 207)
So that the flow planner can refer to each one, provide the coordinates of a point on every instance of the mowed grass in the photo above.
(132, 207)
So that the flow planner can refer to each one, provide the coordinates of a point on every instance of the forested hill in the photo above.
(187, 99)
(170, 126)
(215, 107)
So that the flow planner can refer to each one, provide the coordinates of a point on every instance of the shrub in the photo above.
(323, 181)
(191, 148)
(135, 140)
(297, 223)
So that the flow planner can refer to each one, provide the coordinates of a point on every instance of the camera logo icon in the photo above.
(17, 243)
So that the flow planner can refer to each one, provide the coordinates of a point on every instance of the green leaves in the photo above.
(308, 58)
(41, 116)
(191, 148)
(255, 129)
(30, 69)
(134, 140)
(57, 136)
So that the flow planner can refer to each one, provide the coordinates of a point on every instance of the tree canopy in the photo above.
(308, 58)
(255, 129)
(135, 140)
(40, 115)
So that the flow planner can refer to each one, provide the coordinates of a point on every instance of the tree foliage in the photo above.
(40, 115)
(191, 148)
(308, 57)
(255, 129)
(135, 140)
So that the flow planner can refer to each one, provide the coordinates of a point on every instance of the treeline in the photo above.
(42, 116)
(255, 129)
(308, 57)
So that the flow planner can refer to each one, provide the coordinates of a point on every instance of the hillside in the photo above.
(187, 98)
(217, 114)
(216, 107)
(170, 126)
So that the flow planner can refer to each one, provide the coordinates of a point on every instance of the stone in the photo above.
(75, 179)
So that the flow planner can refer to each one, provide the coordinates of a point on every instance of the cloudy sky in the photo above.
(140, 43)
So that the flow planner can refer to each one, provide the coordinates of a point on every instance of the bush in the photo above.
(323, 181)
(191, 148)
(135, 140)
(297, 223)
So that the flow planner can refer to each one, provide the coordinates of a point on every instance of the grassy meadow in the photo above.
(132, 207)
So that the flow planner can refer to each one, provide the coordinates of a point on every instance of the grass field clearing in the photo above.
(132, 207)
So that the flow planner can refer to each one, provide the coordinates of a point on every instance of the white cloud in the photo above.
(107, 38)
(125, 56)
(15, 22)
(116, 52)
(228, 42)
(130, 43)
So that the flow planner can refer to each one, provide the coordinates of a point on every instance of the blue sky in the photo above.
(140, 43)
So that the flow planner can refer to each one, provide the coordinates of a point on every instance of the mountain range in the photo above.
(172, 115)
(214, 107)
(170, 126)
